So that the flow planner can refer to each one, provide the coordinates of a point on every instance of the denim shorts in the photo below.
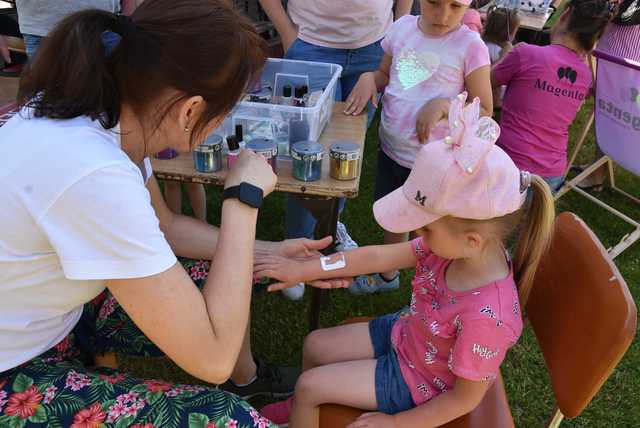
(392, 393)
(555, 183)
(389, 176)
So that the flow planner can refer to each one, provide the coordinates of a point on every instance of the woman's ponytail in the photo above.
(180, 47)
(535, 236)
(71, 75)
(587, 21)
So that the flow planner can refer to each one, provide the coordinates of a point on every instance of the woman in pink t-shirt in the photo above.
(428, 366)
(428, 60)
(546, 86)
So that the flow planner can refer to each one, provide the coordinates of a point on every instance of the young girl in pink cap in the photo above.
(434, 363)
(428, 60)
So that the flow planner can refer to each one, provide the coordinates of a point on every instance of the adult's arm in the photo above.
(278, 16)
(196, 239)
(403, 7)
(199, 330)
(4, 50)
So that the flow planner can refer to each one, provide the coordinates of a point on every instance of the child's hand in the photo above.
(430, 114)
(374, 420)
(364, 91)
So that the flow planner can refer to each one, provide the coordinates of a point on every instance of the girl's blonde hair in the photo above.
(534, 224)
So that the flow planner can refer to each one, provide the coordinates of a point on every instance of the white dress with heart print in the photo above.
(423, 68)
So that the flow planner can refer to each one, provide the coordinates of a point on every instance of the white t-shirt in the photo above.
(74, 211)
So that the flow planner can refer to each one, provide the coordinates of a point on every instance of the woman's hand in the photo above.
(253, 169)
(303, 249)
(291, 271)
(364, 91)
(374, 420)
(288, 271)
(4, 50)
(430, 114)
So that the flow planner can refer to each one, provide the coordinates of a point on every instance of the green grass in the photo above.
(279, 326)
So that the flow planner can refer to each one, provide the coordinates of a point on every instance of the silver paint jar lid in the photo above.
(307, 150)
(345, 150)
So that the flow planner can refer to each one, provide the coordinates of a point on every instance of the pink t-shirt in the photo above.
(450, 334)
(423, 68)
(345, 24)
(546, 85)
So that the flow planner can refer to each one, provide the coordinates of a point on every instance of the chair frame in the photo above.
(627, 240)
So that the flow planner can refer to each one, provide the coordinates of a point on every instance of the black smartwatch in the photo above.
(245, 193)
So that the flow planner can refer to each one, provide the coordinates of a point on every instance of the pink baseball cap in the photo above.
(464, 2)
(463, 175)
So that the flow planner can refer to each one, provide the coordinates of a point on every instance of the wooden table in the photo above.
(320, 197)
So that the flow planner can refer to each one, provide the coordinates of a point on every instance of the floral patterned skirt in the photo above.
(59, 389)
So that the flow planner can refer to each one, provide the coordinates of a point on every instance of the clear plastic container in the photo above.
(273, 120)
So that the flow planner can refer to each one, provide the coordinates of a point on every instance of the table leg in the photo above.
(326, 212)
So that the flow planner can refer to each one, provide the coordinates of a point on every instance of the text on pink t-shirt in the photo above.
(546, 85)
(450, 334)
(424, 68)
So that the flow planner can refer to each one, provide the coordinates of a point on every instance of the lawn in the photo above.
(279, 326)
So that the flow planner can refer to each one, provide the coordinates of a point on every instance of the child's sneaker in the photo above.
(370, 284)
(344, 242)
(294, 293)
(278, 413)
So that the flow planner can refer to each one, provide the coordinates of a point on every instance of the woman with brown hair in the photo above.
(81, 211)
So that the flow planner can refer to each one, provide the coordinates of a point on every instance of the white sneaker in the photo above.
(294, 293)
(344, 242)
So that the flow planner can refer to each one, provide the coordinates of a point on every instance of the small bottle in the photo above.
(300, 92)
(286, 98)
(234, 151)
(240, 136)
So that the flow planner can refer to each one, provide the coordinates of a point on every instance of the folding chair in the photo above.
(584, 319)
(617, 122)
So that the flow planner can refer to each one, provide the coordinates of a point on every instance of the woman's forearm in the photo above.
(278, 16)
(227, 291)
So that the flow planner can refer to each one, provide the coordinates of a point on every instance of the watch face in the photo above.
(250, 195)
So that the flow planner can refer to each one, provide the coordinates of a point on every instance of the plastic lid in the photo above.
(262, 145)
(307, 148)
(345, 146)
(286, 91)
(208, 148)
(232, 143)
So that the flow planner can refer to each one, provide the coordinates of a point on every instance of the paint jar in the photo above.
(207, 157)
(344, 160)
(266, 148)
(166, 154)
(307, 160)
(282, 143)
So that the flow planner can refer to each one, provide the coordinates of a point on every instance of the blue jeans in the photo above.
(299, 223)
(31, 44)
(555, 183)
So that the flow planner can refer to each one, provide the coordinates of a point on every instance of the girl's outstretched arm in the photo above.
(364, 260)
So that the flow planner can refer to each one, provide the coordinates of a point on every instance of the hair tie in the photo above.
(525, 180)
(124, 25)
